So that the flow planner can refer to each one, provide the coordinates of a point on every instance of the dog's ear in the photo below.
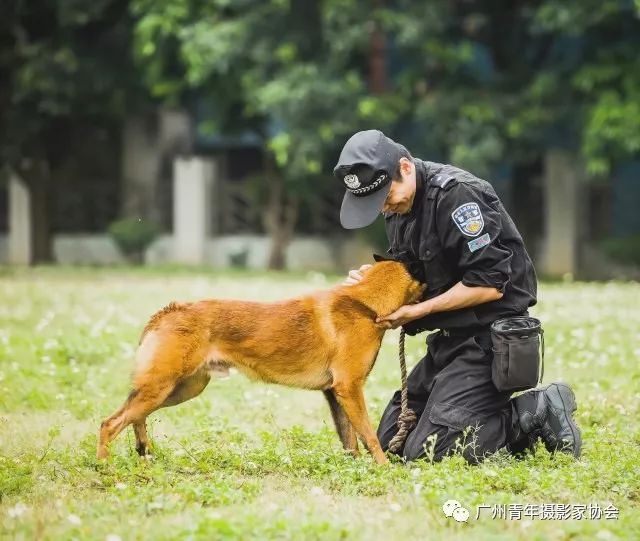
(416, 270)
(377, 258)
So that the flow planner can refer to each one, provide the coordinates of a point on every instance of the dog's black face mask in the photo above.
(414, 268)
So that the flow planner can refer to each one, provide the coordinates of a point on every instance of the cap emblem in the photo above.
(352, 181)
(377, 183)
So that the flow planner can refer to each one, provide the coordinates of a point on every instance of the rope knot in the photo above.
(408, 418)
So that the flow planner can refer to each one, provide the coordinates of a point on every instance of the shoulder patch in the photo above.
(478, 243)
(469, 219)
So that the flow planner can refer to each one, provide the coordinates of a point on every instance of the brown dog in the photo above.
(327, 341)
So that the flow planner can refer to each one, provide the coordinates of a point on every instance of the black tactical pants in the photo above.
(458, 407)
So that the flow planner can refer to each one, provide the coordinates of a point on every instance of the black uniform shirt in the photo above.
(459, 231)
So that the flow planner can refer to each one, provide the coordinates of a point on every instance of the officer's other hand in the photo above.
(402, 315)
(356, 275)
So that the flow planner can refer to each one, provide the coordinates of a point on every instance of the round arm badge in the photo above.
(469, 219)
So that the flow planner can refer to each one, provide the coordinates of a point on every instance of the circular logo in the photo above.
(352, 181)
(474, 226)
(460, 514)
(450, 506)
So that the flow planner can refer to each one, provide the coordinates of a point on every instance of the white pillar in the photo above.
(562, 213)
(147, 142)
(193, 182)
(20, 226)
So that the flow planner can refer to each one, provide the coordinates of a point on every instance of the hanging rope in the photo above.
(407, 418)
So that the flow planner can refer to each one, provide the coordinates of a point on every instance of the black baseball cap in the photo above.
(367, 163)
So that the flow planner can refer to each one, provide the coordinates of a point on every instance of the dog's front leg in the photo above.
(344, 427)
(351, 398)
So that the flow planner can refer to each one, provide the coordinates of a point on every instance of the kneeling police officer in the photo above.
(454, 234)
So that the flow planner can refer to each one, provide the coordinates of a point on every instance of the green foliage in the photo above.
(375, 236)
(623, 249)
(63, 63)
(612, 130)
(133, 235)
(469, 81)
(292, 71)
(15, 477)
(489, 82)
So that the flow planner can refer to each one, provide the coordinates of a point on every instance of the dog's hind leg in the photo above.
(142, 439)
(351, 398)
(140, 403)
(185, 389)
(164, 361)
(111, 427)
(344, 427)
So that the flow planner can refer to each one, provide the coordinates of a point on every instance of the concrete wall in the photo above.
(86, 249)
(250, 251)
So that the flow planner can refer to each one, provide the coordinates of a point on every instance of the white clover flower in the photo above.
(17, 510)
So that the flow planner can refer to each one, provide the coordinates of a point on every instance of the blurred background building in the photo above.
(205, 132)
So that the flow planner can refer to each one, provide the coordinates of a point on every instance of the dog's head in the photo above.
(407, 275)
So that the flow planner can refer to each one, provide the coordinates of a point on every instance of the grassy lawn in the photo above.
(252, 461)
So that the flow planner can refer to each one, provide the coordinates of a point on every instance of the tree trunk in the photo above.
(279, 218)
(377, 68)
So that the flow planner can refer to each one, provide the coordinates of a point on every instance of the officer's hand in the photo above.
(402, 315)
(356, 275)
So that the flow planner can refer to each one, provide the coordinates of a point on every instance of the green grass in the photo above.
(252, 461)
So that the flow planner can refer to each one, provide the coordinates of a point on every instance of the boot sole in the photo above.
(563, 394)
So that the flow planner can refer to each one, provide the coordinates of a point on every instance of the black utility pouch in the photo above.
(517, 360)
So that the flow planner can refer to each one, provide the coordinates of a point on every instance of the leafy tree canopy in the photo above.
(61, 61)
(296, 71)
(503, 79)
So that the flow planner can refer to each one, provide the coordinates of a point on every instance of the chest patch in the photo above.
(478, 243)
(469, 219)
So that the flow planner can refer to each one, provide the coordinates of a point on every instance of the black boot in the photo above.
(547, 412)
